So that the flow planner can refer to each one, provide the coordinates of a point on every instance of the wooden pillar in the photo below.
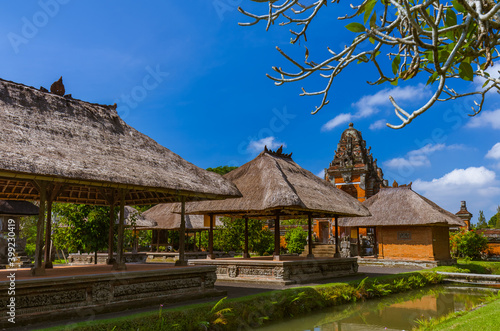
(358, 241)
(48, 232)
(246, 255)
(276, 256)
(158, 232)
(310, 254)
(211, 255)
(182, 234)
(199, 241)
(375, 242)
(38, 269)
(337, 253)
(111, 233)
(120, 264)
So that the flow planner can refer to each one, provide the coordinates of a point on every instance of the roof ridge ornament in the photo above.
(58, 87)
(278, 152)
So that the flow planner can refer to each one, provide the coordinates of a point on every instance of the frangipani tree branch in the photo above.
(445, 41)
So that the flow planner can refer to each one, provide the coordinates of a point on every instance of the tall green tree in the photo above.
(222, 170)
(80, 227)
(494, 221)
(481, 221)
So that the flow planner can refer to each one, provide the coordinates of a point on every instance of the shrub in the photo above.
(296, 240)
(468, 244)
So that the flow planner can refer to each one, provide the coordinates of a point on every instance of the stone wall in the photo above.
(281, 272)
(43, 299)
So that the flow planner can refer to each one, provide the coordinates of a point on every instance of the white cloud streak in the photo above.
(369, 105)
(257, 146)
(494, 152)
(486, 118)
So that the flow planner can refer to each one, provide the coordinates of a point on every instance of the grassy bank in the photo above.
(484, 317)
(257, 310)
(475, 267)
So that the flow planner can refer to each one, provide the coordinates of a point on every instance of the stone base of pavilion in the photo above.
(84, 291)
(289, 270)
(153, 257)
(79, 259)
(374, 261)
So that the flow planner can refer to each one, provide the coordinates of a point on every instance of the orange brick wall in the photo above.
(494, 248)
(419, 247)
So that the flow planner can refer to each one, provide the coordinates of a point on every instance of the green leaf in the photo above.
(458, 6)
(373, 20)
(368, 9)
(355, 27)
(451, 18)
(395, 82)
(395, 64)
(371, 40)
(465, 71)
(432, 79)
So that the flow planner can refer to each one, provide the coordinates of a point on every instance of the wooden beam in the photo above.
(182, 234)
(337, 253)
(246, 255)
(39, 269)
(277, 239)
(211, 238)
(310, 254)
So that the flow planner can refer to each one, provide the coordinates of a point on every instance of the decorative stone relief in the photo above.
(102, 292)
(232, 271)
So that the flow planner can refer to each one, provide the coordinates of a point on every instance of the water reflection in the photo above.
(399, 312)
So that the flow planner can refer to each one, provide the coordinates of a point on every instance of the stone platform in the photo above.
(88, 258)
(173, 256)
(289, 270)
(84, 291)
(373, 261)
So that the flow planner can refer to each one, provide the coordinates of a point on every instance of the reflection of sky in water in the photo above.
(398, 312)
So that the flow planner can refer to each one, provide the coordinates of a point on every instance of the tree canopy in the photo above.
(222, 170)
(442, 41)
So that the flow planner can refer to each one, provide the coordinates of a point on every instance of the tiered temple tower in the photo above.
(353, 168)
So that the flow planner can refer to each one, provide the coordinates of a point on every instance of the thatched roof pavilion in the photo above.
(402, 206)
(135, 219)
(274, 186)
(56, 148)
(166, 217)
(88, 147)
(407, 225)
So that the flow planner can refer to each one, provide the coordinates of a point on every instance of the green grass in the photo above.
(475, 267)
(254, 311)
(485, 317)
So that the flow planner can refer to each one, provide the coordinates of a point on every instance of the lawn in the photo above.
(483, 318)
(475, 267)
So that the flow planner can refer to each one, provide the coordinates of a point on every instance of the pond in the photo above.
(397, 312)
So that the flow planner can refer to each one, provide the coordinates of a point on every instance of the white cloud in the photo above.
(257, 146)
(377, 125)
(494, 152)
(418, 157)
(336, 121)
(321, 174)
(371, 104)
(476, 185)
(485, 118)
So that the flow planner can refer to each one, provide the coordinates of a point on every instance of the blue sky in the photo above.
(188, 76)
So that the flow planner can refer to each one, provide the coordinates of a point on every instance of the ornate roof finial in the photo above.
(279, 152)
(58, 87)
(351, 125)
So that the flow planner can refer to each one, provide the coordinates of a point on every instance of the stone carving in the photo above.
(50, 299)
(58, 87)
(354, 267)
(102, 292)
(157, 286)
(254, 271)
(232, 271)
(345, 248)
(210, 279)
(278, 272)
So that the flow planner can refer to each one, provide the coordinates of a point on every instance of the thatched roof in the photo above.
(132, 216)
(273, 182)
(402, 206)
(89, 148)
(166, 217)
(20, 208)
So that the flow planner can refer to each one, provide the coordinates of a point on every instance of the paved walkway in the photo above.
(234, 290)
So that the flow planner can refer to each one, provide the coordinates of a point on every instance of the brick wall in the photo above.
(414, 243)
